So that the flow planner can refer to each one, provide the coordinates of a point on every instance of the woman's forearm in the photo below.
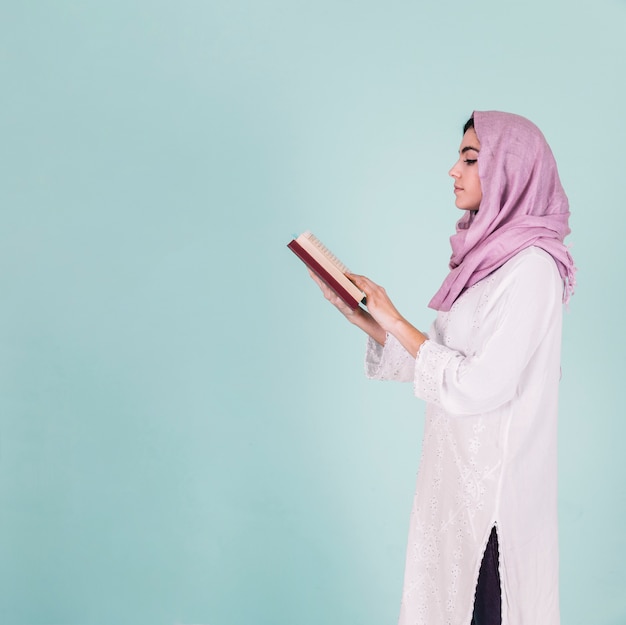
(408, 336)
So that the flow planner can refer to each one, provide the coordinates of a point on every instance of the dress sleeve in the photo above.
(526, 303)
(391, 362)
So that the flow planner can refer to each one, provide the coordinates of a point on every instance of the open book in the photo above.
(327, 266)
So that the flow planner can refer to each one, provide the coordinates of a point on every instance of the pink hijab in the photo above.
(523, 204)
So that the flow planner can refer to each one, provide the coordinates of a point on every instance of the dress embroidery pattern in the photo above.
(479, 448)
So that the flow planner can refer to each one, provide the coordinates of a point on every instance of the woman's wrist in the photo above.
(408, 335)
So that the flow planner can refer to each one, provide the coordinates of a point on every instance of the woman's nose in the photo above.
(454, 171)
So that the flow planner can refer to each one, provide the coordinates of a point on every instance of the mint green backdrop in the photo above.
(186, 435)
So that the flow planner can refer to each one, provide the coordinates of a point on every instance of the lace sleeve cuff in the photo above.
(430, 365)
(391, 362)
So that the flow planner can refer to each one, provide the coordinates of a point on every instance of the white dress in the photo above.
(490, 375)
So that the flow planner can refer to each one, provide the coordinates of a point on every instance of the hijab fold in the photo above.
(523, 204)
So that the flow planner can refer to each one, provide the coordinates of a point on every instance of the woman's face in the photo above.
(465, 173)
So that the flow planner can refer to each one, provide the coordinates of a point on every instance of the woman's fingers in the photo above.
(361, 281)
(322, 285)
(330, 295)
(369, 287)
(378, 303)
(315, 278)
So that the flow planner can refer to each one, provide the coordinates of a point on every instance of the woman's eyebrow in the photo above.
(467, 148)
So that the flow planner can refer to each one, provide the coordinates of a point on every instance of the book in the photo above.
(319, 259)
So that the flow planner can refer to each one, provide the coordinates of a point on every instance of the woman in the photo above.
(482, 545)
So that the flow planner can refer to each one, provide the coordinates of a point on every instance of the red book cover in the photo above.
(312, 264)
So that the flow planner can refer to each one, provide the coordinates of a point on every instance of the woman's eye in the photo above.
(470, 161)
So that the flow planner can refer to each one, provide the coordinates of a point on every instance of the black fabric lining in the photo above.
(488, 599)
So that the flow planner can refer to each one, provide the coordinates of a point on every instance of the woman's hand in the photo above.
(381, 316)
(358, 317)
(386, 316)
(378, 303)
(332, 297)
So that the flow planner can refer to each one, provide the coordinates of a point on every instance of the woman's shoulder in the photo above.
(530, 260)
(533, 274)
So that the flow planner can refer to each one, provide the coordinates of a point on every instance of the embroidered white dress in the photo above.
(489, 374)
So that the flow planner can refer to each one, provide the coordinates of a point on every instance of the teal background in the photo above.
(186, 434)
